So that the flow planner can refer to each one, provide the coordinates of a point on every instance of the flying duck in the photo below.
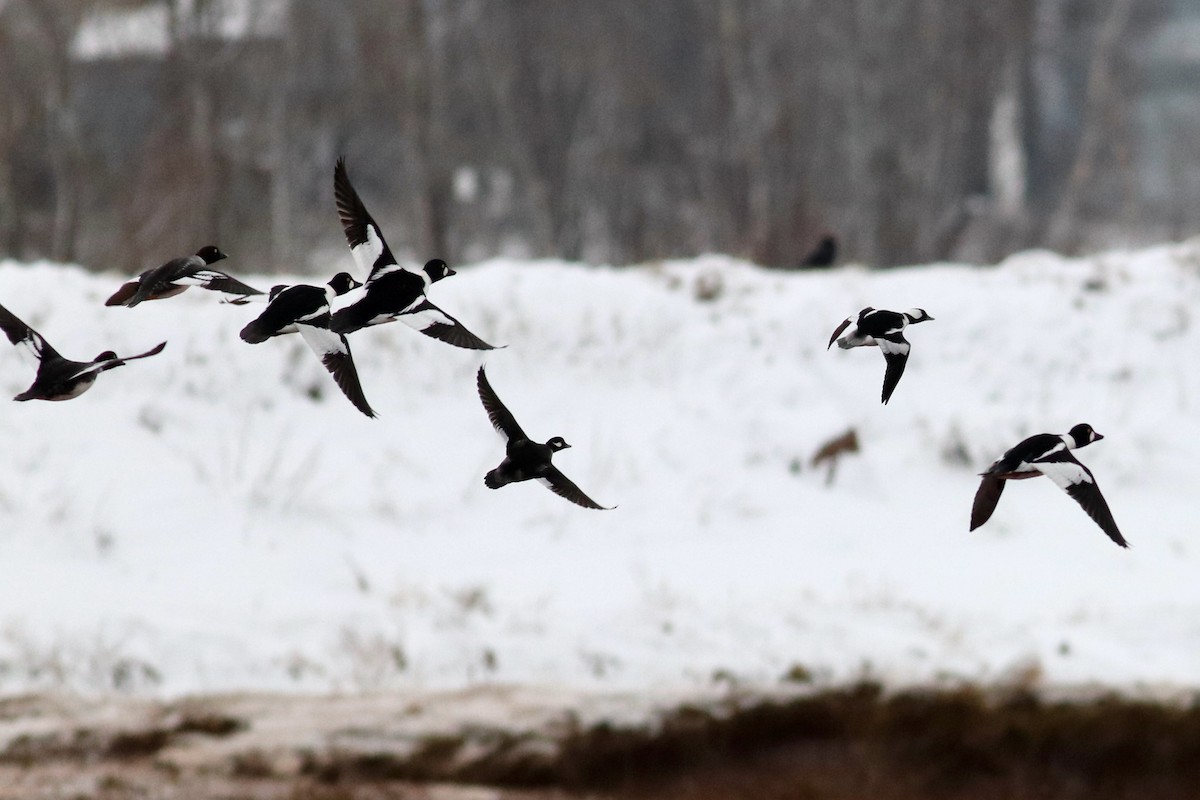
(176, 276)
(885, 330)
(525, 459)
(1050, 455)
(392, 292)
(304, 309)
(59, 378)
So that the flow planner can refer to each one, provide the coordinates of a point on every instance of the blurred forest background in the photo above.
(618, 131)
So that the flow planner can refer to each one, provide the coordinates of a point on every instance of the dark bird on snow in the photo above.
(177, 275)
(885, 330)
(304, 309)
(823, 255)
(392, 292)
(1048, 454)
(59, 378)
(525, 459)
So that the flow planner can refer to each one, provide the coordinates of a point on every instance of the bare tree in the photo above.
(47, 28)
(620, 131)
(1104, 125)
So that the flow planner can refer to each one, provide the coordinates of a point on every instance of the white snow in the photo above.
(198, 522)
(146, 29)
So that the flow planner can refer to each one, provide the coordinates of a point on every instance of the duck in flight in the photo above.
(885, 330)
(177, 275)
(60, 378)
(525, 459)
(392, 292)
(1048, 454)
(305, 310)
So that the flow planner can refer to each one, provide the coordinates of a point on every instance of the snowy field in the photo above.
(219, 518)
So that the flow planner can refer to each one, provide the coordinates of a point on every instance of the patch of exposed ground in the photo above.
(503, 743)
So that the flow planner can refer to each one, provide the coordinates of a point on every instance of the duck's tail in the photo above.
(493, 480)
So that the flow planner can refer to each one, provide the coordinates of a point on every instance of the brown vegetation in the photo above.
(856, 742)
(832, 451)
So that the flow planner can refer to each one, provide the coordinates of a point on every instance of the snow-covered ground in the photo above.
(220, 518)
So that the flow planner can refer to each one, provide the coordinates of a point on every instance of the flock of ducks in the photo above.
(393, 292)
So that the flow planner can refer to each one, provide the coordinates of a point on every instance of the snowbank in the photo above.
(219, 518)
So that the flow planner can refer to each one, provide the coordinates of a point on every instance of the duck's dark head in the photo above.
(917, 315)
(107, 355)
(1084, 434)
(557, 443)
(437, 269)
(211, 254)
(342, 283)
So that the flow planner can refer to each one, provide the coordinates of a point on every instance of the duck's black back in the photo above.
(390, 293)
(877, 323)
(1027, 450)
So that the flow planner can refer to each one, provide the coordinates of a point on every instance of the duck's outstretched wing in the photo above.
(113, 363)
(369, 248)
(21, 334)
(123, 295)
(423, 316)
(153, 351)
(334, 351)
(217, 281)
(501, 418)
(859, 339)
(1077, 480)
(561, 485)
(986, 498)
(430, 320)
(845, 324)
(895, 349)
(157, 283)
